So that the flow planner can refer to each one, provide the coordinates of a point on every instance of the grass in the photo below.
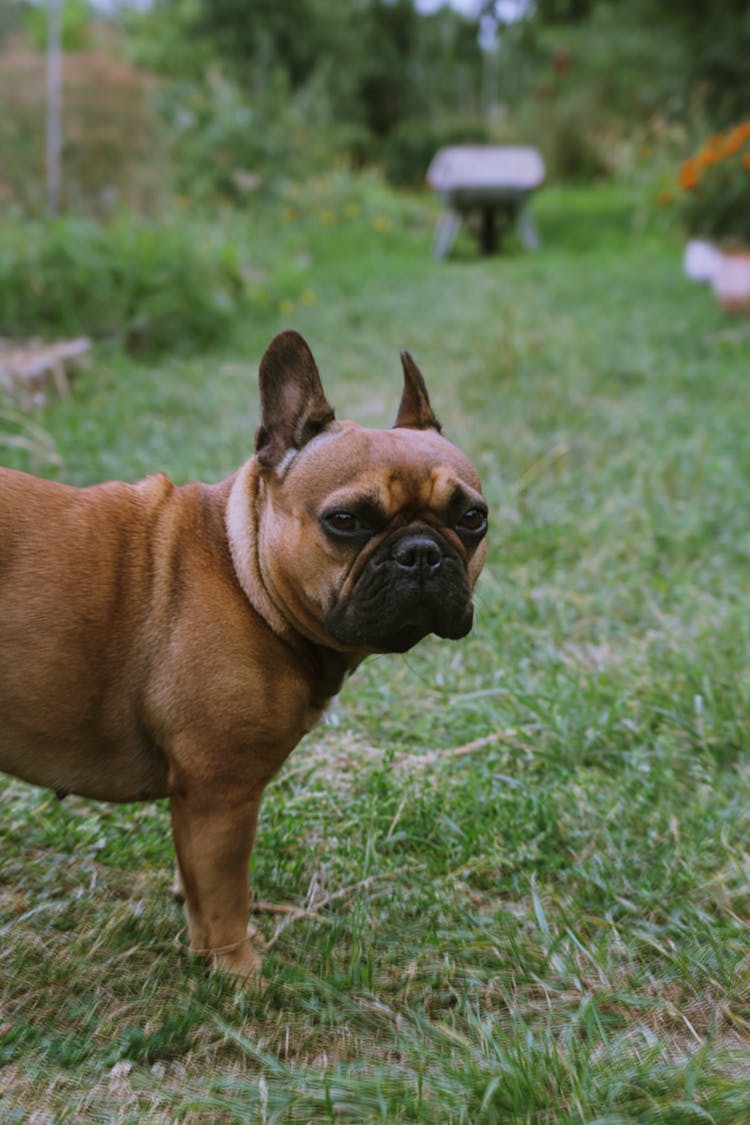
(525, 857)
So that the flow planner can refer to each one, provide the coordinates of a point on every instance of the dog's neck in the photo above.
(242, 530)
(328, 668)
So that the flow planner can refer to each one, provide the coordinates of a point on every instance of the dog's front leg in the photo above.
(213, 835)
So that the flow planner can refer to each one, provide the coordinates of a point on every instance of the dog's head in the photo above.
(365, 540)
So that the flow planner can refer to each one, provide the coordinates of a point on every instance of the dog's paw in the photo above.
(244, 960)
(245, 964)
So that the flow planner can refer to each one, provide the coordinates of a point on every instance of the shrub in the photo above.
(219, 142)
(714, 188)
(409, 149)
(149, 285)
(569, 142)
(106, 101)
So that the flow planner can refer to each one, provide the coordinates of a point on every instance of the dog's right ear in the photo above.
(293, 405)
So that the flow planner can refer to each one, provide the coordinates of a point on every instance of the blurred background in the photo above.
(221, 99)
(154, 156)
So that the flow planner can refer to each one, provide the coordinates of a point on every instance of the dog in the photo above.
(165, 641)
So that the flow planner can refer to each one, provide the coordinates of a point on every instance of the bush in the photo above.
(151, 286)
(220, 144)
(409, 149)
(226, 143)
(595, 96)
(569, 141)
(113, 145)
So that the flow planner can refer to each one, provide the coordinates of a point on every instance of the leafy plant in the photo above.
(409, 149)
(150, 285)
(105, 100)
(714, 188)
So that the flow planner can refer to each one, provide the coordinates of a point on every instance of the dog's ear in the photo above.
(293, 406)
(415, 412)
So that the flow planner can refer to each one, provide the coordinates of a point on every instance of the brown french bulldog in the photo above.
(179, 641)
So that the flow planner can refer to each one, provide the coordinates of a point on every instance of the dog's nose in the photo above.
(417, 552)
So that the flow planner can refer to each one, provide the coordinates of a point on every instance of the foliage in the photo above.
(577, 91)
(105, 99)
(218, 140)
(357, 75)
(278, 88)
(161, 39)
(538, 837)
(571, 140)
(264, 34)
(75, 24)
(714, 41)
(421, 91)
(149, 285)
(409, 149)
(714, 188)
(717, 41)
(382, 87)
(226, 145)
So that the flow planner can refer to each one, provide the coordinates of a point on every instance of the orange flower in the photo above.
(707, 156)
(733, 142)
(664, 198)
(714, 200)
(689, 175)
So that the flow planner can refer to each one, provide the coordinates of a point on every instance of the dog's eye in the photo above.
(343, 523)
(474, 520)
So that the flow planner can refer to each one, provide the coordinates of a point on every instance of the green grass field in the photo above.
(523, 860)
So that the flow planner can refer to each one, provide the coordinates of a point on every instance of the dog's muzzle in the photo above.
(414, 584)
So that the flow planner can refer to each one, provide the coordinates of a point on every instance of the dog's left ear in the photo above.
(415, 412)
(293, 405)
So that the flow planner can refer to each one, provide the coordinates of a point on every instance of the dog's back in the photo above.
(67, 556)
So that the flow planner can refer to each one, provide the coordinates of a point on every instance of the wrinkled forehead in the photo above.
(399, 466)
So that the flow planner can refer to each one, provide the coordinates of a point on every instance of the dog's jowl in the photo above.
(179, 641)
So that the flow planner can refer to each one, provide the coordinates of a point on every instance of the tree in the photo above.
(255, 83)
(718, 41)
(714, 39)
(375, 62)
(261, 33)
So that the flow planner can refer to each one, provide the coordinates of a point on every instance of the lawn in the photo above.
(523, 860)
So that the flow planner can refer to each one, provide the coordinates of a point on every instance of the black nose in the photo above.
(417, 552)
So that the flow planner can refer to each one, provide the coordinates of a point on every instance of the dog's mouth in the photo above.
(414, 585)
(410, 633)
(370, 631)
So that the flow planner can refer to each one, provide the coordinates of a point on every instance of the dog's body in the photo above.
(179, 641)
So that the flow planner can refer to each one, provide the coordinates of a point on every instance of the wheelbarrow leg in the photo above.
(527, 230)
(488, 233)
(448, 227)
